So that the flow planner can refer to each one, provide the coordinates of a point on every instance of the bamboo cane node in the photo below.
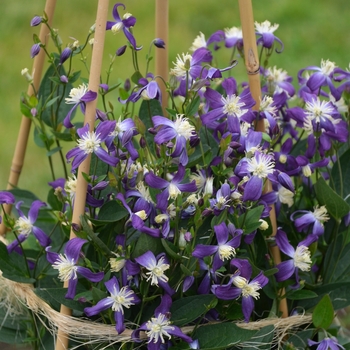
(253, 66)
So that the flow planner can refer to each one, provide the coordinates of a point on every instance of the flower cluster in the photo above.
(183, 204)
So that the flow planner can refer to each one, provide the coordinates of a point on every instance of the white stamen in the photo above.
(123, 298)
(261, 165)
(183, 127)
(321, 214)
(76, 94)
(156, 272)
(226, 252)
(90, 142)
(182, 65)
(232, 106)
(24, 226)
(302, 258)
(66, 268)
(158, 327)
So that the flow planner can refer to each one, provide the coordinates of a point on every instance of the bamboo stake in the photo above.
(252, 65)
(24, 130)
(161, 55)
(81, 190)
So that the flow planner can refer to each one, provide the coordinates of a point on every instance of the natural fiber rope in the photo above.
(16, 296)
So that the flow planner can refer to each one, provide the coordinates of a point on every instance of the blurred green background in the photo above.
(310, 30)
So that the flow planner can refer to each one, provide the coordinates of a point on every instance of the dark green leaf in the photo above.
(264, 338)
(56, 296)
(302, 294)
(111, 211)
(221, 336)
(192, 108)
(145, 243)
(340, 174)
(136, 77)
(323, 314)
(250, 222)
(299, 340)
(170, 249)
(335, 205)
(97, 294)
(186, 310)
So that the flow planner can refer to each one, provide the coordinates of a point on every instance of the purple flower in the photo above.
(180, 130)
(25, 225)
(240, 285)
(300, 257)
(224, 250)
(156, 268)
(267, 38)
(67, 267)
(66, 53)
(90, 142)
(160, 326)
(121, 51)
(311, 220)
(233, 37)
(231, 107)
(159, 43)
(326, 343)
(7, 198)
(34, 50)
(322, 77)
(124, 24)
(279, 83)
(36, 20)
(119, 299)
(138, 218)
(170, 189)
(78, 97)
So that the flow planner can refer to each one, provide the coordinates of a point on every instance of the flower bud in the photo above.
(64, 79)
(66, 53)
(36, 21)
(159, 43)
(34, 50)
(120, 51)
(127, 85)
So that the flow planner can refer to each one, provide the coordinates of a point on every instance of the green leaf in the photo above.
(302, 294)
(335, 205)
(186, 310)
(111, 211)
(170, 249)
(340, 175)
(299, 340)
(323, 314)
(264, 338)
(56, 109)
(136, 77)
(56, 296)
(145, 243)
(251, 220)
(192, 108)
(221, 336)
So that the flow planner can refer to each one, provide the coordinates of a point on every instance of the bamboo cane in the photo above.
(24, 130)
(252, 65)
(161, 55)
(80, 197)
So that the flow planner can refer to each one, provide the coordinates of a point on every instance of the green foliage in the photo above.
(323, 314)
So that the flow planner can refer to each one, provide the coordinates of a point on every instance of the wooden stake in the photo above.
(24, 130)
(253, 67)
(90, 112)
(161, 55)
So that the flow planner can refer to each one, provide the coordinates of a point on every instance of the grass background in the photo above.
(310, 30)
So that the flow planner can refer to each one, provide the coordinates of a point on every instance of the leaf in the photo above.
(341, 176)
(136, 77)
(264, 338)
(112, 211)
(56, 296)
(185, 310)
(251, 220)
(192, 108)
(323, 314)
(145, 243)
(302, 294)
(221, 336)
(169, 248)
(56, 109)
(335, 205)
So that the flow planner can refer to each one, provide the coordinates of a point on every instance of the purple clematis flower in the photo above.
(240, 285)
(6, 198)
(78, 97)
(181, 130)
(119, 299)
(326, 343)
(267, 38)
(322, 77)
(160, 326)
(25, 225)
(170, 189)
(300, 257)
(311, 220)
(224, 250)
(232, 107)
(137, 218)
(34, 51)
(124, 24)
(156, 267)
(67, 267)
(90, 142)
(124, 130)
